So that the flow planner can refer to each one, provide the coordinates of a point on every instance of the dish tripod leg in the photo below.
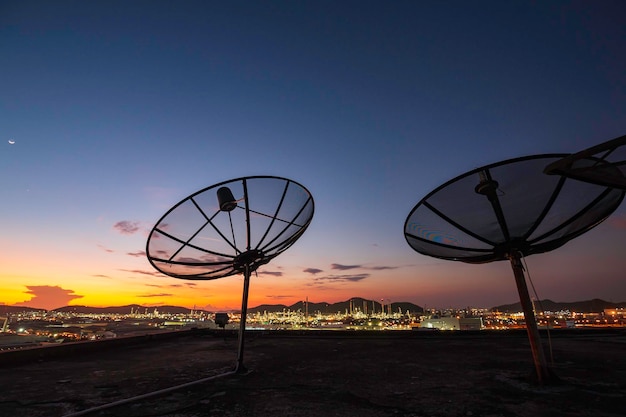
(240, 368)
(541, 367)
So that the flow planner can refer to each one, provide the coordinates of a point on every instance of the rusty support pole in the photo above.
(541, 367)
(240, 368)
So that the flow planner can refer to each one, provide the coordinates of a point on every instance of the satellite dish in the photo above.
(505, 211)
(603, 164)
(230, 228)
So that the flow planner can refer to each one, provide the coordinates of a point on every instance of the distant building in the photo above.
(620, 312)
(471, 323)
(451, 323)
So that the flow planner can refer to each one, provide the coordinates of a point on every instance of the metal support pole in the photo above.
(541, 366)
(240, 368)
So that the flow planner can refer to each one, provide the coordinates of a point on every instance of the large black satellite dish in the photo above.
(230, 228)
(603, 164)
(505, 211)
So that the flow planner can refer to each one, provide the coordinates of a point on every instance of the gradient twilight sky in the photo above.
(120, 109)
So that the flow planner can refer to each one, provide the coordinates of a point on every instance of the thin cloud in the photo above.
(279, 297)
(105, 248)
(100, 276)
(333, 282)
(163, 294)
(313, 271)
(189, 260)
(137, 254)
(272, 273)
(139, 271)
(320, 286)
(342, 278)
(382, 268)
(126, 227)
(204, 259)
(344, 267)
(186, 284)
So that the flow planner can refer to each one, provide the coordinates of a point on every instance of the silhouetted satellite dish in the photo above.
(603, 164)
(505, 211)
(230, 228)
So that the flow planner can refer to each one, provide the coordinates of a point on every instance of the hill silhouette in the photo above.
(5, 309)
(352, 304)
(125, 309)
(595, 305)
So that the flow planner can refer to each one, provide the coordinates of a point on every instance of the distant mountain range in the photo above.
(590, 306)
(324, 308)
(4, 309)
(136, 308)
(595, 305)
(357, 303)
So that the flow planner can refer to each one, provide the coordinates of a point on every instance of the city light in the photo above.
(40, 327)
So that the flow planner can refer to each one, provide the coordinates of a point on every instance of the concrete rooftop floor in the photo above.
(375, 374)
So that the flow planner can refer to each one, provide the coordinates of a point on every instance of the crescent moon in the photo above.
(11, 142)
